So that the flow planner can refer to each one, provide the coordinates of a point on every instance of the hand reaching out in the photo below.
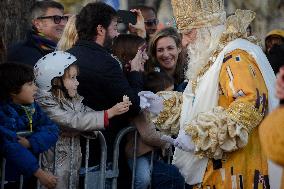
(119, 108)
(46, 179)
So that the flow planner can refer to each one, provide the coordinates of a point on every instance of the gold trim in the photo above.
(191, 14)
(168, 120)
(245, 113)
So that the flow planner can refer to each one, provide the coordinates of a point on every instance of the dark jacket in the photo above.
(20, 160)
(27, 51)
(276, 57)
(103, 84)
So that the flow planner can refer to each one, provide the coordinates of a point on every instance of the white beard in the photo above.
(199, 52)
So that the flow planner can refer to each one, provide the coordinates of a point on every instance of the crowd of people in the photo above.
(203, 88)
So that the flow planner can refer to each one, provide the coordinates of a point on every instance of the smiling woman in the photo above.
(166, 54)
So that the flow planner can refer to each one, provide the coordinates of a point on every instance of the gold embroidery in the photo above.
(168, 120)
(223, 130)
(245, 113)
(198, 13)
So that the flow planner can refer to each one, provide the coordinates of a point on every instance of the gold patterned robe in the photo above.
(244, 95)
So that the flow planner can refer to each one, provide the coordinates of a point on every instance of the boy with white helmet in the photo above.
(56, 77)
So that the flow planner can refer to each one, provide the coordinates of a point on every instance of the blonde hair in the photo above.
(69, 35)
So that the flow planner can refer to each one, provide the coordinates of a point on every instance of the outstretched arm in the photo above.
(242, 105)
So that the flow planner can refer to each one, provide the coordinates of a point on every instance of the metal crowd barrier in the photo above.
(102, 163)
(101, 183)
(102, 173)
(115, 169)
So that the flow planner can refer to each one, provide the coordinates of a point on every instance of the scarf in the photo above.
(41, 41)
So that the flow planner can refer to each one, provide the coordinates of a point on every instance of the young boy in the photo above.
(163, 175)
(20, 114)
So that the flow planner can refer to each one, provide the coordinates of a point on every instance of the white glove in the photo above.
(153, 102)
(144, 102)
(183, 141)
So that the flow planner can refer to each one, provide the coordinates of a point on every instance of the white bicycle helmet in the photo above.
(50, 66)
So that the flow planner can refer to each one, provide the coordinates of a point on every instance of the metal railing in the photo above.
(102, 173)
(114, 173)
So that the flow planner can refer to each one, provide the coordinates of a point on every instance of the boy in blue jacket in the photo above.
(20, 114)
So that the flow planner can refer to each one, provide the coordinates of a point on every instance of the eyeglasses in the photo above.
(151, 22)
(56, 18)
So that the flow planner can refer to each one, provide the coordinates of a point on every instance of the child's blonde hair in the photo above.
(69, 35)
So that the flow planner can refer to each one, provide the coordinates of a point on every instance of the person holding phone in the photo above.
(150, 20)
(102, 82)
(132, 21)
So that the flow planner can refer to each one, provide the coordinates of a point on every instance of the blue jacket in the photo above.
(20, 160)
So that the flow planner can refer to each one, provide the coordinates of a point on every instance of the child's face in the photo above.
(26, 95)
(70, 81)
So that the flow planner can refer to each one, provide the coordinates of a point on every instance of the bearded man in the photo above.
(230, 90)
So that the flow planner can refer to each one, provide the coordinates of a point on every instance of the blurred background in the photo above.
(14, 15)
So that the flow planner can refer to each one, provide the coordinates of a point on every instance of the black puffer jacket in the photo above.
(103, 84)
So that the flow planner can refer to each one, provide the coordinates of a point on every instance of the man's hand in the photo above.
(139, 27)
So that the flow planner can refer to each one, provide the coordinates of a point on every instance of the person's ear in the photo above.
(101, 30)
(37, 24)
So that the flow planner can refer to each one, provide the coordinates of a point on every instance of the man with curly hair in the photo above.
(103, 83)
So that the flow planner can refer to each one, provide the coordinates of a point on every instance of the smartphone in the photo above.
(125, 16)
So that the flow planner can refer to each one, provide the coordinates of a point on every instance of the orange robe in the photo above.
(240, 80)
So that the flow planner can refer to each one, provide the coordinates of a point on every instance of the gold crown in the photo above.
(191, 14)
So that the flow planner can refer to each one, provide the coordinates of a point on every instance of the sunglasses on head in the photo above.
(56, 18)
(151, 22)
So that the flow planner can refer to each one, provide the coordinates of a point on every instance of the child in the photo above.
(19, 113)
(163, 175)
(56, 76)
